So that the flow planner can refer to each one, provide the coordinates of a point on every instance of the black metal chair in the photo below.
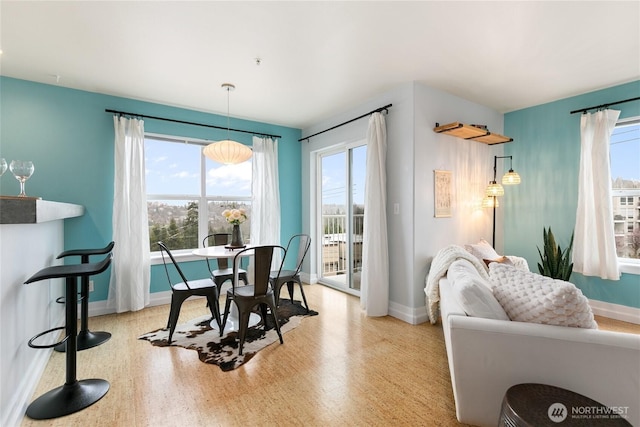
(185, 289)
(223, 272)
(74, 395)
(259, 293)
(86, 338)
(289, 277)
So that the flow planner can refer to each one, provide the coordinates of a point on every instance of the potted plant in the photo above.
(556, 263)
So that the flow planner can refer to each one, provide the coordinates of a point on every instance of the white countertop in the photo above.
(30, 210)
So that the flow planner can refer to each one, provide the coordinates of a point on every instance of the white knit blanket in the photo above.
(438, 270)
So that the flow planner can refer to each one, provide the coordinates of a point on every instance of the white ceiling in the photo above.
(321, 58)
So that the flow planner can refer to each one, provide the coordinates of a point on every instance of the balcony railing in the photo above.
(335, 242)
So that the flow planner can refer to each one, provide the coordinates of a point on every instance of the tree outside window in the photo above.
(186, 193)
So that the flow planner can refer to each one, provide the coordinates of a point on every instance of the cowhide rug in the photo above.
(197, 334)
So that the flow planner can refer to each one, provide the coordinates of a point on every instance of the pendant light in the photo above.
(495, 190)
(511, 178)
(227, 151)
(490, 202)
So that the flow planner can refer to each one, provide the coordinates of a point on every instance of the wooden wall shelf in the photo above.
(460, 130)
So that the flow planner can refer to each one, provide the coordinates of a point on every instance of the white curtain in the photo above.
(129, 285)
(594, 252)
(374, 292)
(265, 206)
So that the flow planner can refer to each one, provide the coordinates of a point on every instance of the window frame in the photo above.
(627, 265)
(202, 199)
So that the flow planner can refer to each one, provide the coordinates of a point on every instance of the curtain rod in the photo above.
(584, 110)
(385, 108)
(123, 113)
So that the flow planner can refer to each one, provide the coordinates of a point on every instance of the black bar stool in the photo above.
(74, 395)
(86, 338)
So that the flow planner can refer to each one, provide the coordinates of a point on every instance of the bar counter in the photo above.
(31, 237)
(32, 210)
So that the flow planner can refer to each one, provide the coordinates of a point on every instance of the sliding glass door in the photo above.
(341, 204)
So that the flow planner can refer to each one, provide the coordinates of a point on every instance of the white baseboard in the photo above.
(311, 279)
(27, 386)
(410, 315)
(615, 311)
(22, 396)
(100, 308)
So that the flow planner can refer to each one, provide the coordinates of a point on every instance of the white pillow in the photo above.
(530, 297)
(472, 292)
(482, 250)
(486, 254)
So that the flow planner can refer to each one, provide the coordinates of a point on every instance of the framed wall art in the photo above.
(442, 193)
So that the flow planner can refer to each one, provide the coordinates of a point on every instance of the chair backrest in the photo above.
(219, 239)
(262, 256)
(164, 251)
(304, 243)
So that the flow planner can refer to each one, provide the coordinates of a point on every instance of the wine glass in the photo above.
(22, 170)
(3, 166)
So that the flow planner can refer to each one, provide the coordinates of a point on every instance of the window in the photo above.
(187, 192)
(625, 175)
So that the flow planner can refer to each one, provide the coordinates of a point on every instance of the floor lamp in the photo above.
(495, 190)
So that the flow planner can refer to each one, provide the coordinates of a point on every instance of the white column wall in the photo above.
(26, 310)
(414, 151)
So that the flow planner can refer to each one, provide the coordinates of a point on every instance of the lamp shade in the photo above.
(490, 202)
(227, 152)
(494, 189)
(511, 178)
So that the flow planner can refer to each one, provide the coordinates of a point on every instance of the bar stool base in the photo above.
(85, 340)
(67, 399)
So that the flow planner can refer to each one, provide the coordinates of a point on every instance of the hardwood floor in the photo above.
(337, 368)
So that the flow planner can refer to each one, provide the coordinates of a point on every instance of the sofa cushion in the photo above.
(530, 297)
(472, 292)
(463, 267)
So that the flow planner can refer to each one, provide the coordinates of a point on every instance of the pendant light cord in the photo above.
(228, 90)
(228, 87)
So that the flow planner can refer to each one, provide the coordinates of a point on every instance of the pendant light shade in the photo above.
(494, 189)
(511, 178)
(228, 152)
(490, 202)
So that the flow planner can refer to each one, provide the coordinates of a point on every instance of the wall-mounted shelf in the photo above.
(460, 130)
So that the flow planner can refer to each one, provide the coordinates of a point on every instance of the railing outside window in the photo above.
(335, 241)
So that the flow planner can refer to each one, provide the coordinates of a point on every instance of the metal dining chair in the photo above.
(223, 272)
(281, 277)
(258, 293)
(180, 291)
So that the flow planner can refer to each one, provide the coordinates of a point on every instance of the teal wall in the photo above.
(546, 154)
(69, 137)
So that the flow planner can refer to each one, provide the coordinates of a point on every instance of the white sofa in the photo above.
(487, 356)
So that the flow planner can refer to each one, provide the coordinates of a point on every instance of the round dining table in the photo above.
(221, 252)
(224, 252)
